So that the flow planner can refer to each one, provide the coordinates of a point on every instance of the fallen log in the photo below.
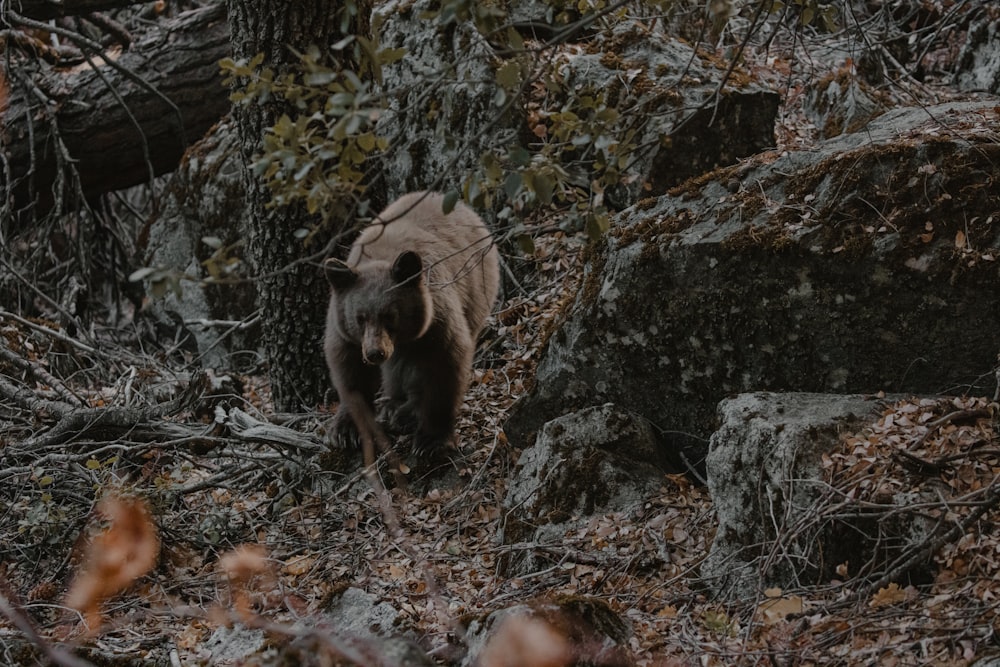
(118, 119)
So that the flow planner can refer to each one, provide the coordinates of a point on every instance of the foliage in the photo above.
(578, 145)
(316, 157)
(579, 142)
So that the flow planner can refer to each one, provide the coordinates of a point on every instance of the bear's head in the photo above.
(379, 305)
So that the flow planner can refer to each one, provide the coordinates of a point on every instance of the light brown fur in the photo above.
(405, 311)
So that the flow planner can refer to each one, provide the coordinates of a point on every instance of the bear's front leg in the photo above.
(356, 384)
(396, 410)
(438, 404)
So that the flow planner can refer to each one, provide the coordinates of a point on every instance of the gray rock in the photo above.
(600, 459)
(763, 470)
(866, 265)
(979, 61)
(360, 614)
(369, 627)
(233, 645)
(668, 92)
(776, 524)
(841, 103)
(205, 198)
(679, 130)
(443, 133)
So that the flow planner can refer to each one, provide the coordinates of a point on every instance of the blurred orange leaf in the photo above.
(526, 642)
(121, 553)
(241, 566)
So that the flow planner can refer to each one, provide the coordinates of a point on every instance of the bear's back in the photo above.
(456, 248)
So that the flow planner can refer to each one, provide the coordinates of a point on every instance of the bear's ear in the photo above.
(340, 275)
(407, 268)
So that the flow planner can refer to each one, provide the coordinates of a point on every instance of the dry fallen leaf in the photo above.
(240, 566)
(121, 553)
(889, 595)
(777, 609)
(526, 642)
(299, 565)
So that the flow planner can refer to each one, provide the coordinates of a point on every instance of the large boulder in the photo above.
(685, 124)
(598, 460)
(978, 66)
(780, 522)
(450, 118)
(864, 265)
(841, 102)
(651, 98)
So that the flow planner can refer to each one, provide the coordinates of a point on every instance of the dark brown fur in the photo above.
(405, 311)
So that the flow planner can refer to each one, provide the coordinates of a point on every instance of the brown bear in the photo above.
(405, 311)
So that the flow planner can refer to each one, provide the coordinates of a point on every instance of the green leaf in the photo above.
(343, 43)
(46, 480)
(509, 75)
(319, 78)
(543, 185)
(158, 288)
(512, 184)
(491, 166)
(260, 166)
(366, 142)
(450, 200)
(519, 156)
(389, 56)
(93, 464)
(139, 274)
(597, 225)
(526, 244)
(514, 39)
(303, 171)
(354, 123)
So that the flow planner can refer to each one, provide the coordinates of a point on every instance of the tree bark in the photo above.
(292, 296)
(109, 144)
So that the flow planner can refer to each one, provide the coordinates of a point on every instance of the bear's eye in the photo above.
(361, 320)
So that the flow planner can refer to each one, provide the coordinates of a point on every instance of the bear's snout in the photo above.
(377, 346)
(375, 356)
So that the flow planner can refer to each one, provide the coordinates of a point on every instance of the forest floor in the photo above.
(108, 448)
(251, 531)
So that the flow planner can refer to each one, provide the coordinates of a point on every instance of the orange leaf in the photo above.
(528, 642)
(124, 551)
(776, 610)
(889, 595)
(241, 566)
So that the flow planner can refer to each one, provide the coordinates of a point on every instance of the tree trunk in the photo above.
(112, 145)
(292, 296)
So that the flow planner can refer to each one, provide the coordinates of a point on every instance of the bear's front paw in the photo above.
(428, 447)
(342, 432)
